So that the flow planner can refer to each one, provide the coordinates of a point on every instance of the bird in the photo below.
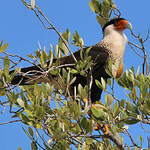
(111, 47)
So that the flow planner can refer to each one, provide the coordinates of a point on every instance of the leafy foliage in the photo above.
(54, 119)
(103, 9)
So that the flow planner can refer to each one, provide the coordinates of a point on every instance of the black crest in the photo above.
(112, 21)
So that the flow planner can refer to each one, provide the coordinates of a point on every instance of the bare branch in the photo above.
(10, 122)
(115, 11)
(146, 121)
(142, 48)
(112, 137)
(133, 142)
(130, 44)
(52, 27)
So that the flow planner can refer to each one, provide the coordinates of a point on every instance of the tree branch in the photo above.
(52, 27)
(142, 48)
(10, 122)
(112, 137)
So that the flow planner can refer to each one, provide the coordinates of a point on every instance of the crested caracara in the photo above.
(111, 47)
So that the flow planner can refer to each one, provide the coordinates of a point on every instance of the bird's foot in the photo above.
(104, 128)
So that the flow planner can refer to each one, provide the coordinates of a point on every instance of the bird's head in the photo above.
(113, 30)
(113, 34)
(118, 24)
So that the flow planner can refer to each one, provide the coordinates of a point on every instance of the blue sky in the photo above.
(21, 29)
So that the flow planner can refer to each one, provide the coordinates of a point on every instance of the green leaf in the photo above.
(39, 111)
(43, 58)
(107, 2)
(66, 35)
(131, 121)
(99, 84)
(103, 82)
(31, 131)
(3, 48)
(74, 71)
(141, 140)
(109, 81)
(27, 133)
(108, 99)
(115, 108)
(19, 148)
(98, 113)
(68, 77)
(122, 103)
(138, 70)
(88, 50)
(6, 66)
(72, 81)
(91, 4)
(77, 40)
(84, 122)
(101, 20)
(131, 107)
(33, 146)
(20, 102)
(80, 89)
(33, 4)
(24, 118)
(1, 43)
(30, 56)
(50, 59)
(63, 47)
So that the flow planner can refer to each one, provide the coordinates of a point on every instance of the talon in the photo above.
(106, 129)
(85, 100)
(96, 127)
(89, 113)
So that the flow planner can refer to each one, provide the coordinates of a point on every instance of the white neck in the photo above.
(116, 40)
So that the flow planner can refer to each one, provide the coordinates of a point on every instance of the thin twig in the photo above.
(146, 121)
(133, 142)
(112, 137)
(10, 122)
(130, 44)
(52, 27)
(2, 103)
(19, 57)
(41, 137)
(112, 87)
(142, 48)
(114, 11)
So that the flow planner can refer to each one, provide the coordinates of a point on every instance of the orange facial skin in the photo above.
(121, 25)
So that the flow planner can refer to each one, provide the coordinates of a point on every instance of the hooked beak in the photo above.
(129, 26)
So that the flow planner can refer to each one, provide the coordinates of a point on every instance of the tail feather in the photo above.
(20, 80)
(27, 75)
(29, 69)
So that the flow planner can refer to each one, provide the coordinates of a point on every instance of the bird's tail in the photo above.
(27, 76)
(36, 74)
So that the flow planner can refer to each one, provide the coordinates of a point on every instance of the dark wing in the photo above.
(99, 55)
